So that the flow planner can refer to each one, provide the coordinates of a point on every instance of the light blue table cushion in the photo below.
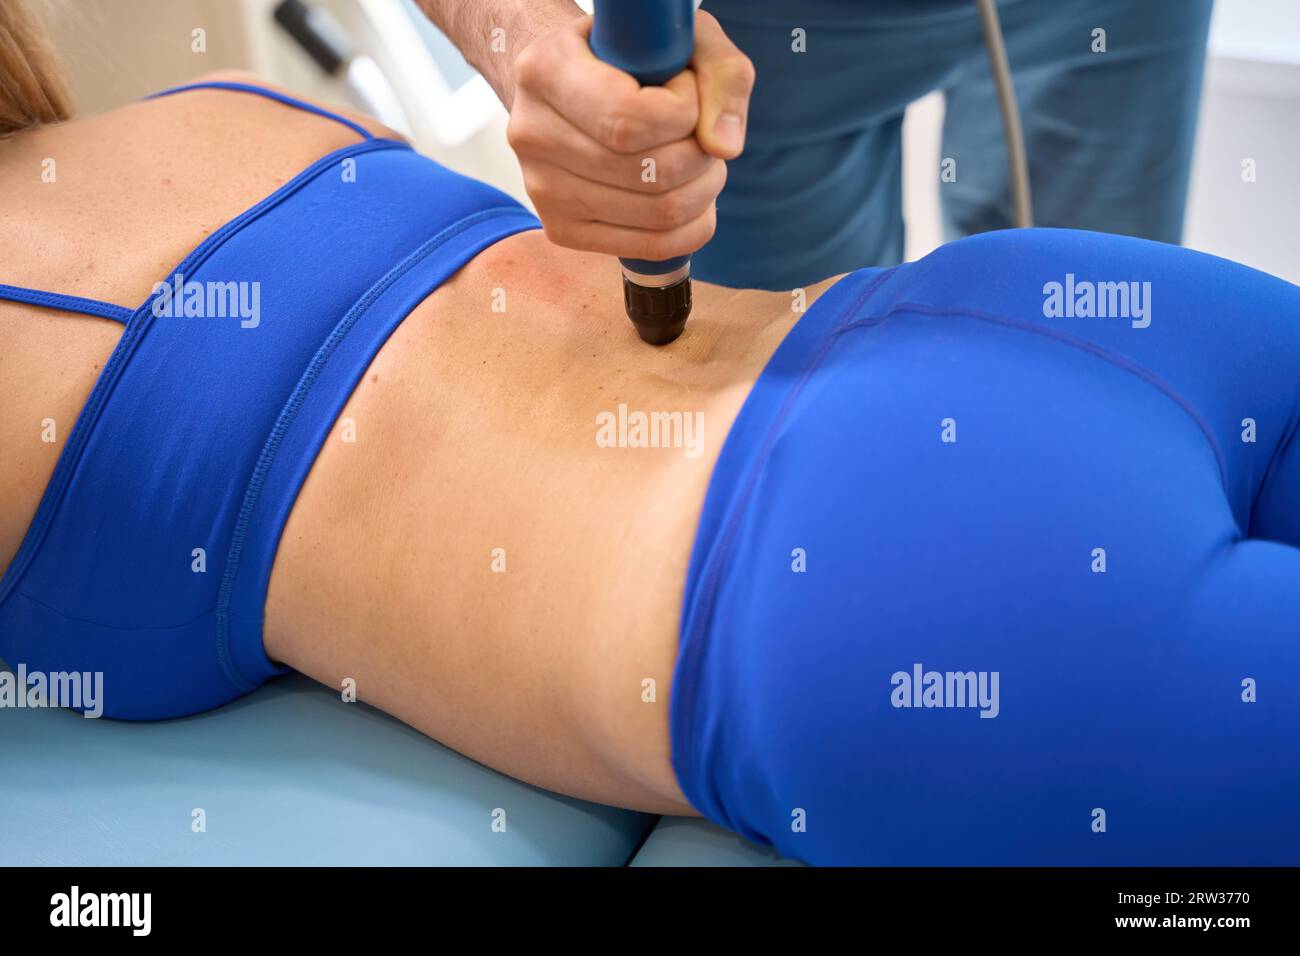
(685, 841)
(288, 775)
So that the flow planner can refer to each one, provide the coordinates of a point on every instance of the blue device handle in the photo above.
(653, 40)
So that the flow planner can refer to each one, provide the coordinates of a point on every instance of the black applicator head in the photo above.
(658, 312)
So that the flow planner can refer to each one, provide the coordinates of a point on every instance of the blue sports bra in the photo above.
(150, 554)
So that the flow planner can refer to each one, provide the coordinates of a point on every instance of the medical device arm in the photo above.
(653, 40)
(322, 38)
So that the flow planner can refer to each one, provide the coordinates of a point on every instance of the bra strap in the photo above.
(117, 313)
(69, 303)
(270, 95)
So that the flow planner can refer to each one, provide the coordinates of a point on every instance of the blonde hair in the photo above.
(32, 86)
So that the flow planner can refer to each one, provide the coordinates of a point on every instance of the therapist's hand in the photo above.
(616, 168)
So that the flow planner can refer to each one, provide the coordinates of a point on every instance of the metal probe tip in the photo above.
(658, 312)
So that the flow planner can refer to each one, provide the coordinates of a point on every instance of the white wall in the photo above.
(116, 51)
(1250, 111)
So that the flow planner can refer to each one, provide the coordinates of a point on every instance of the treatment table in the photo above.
(292, 775)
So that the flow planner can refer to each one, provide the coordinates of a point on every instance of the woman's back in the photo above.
(103, 208)
(459, 549)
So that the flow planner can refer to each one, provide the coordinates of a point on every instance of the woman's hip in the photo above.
(963, 593)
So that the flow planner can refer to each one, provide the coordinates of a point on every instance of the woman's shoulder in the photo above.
(144, 183)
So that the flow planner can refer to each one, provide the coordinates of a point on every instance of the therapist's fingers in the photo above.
(611, 166)
(541, 135)
(607, 104)
(635, 243)
(726, 81)
(560, 196)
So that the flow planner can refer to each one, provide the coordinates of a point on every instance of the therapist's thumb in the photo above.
(726, 80)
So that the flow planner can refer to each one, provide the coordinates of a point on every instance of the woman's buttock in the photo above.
(985, 538)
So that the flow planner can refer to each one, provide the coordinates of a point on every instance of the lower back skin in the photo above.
(477, 430)
(474, 429)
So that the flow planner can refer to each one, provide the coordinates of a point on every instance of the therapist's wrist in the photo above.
(491, 34)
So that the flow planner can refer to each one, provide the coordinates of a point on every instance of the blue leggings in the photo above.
(984, 579)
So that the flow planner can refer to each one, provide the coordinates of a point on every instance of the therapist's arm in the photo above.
(473, 26)
(583, 130)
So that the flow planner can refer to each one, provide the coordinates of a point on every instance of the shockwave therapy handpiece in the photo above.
(653, 40)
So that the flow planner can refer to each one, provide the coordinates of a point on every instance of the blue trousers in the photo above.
(1000, 564)
(817, 191)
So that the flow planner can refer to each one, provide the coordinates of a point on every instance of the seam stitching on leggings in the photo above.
(1273, 463)
(1065, 338)
(19, 592)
